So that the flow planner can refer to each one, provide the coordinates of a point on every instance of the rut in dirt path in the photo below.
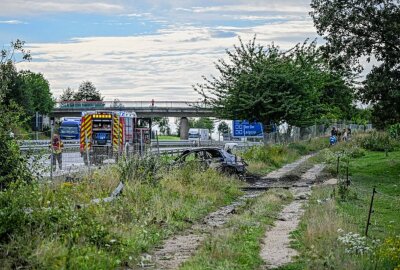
(275, 248)
(179, 248)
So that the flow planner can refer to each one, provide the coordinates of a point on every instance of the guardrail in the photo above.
(70, 144)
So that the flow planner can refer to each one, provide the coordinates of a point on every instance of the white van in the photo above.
(198, 134)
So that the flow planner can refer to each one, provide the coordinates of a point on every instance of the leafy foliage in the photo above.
(67, 95)
(87, 92)
(268, 85)
(223, 128)
(13, 166)
(163, 125)
(28, 89)
(378, 141)
(203, 122)
(364, 28)
(37, 88)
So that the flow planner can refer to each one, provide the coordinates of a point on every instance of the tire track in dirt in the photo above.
(179, 248)
(275, 248)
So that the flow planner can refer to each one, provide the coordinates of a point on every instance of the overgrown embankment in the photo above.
(263, 160)
(332, 231)
(41, 227)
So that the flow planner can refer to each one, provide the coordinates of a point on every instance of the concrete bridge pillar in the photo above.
(184, 128)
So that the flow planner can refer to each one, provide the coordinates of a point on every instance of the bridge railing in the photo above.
(131, 104)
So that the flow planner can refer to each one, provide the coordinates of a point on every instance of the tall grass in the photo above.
(237, 246)
(42, 228)
(263, 159)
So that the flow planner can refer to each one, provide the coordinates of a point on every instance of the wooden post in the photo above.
(370, 212)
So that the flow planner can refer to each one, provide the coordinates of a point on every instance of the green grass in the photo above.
(237, 246)
(168, 138)
(264, 159)
(317, 236)
(40, 227)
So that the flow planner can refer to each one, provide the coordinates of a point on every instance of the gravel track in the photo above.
(179, 248)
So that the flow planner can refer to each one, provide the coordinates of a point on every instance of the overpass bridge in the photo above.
(141, 108)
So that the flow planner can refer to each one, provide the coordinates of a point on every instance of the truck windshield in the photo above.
(194, 135)
(69, 130)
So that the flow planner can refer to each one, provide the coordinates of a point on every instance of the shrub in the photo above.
(394, 131)
(274, 155)
(377, 141)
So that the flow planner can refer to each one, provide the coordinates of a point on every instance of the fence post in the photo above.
(337, 166)
(347, 174)
(369, 212)
(158, 144)
(51, 147)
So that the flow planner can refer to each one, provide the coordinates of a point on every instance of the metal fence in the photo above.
(287, 134)
(47, 165)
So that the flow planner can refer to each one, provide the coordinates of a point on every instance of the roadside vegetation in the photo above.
(53, 226)
(265, 159)
(168, 138)
(237, 245)
(332, 231)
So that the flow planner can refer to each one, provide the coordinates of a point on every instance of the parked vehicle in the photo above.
(70, 128)
(107, 134)
(199, 134)
(213, 157)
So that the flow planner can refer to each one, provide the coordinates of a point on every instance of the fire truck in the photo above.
(108, 134)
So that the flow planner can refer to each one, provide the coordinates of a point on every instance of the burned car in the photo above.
(213, 157)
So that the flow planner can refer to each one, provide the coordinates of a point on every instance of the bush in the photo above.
(41, 226)
(273, 155)
(394, 131)
(377, 141)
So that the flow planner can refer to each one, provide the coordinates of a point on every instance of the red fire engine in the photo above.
(107, 135)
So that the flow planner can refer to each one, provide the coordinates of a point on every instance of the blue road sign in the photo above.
(246, 129)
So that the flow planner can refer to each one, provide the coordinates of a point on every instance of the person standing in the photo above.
(333, 132)
(56, 150)
(344, 135)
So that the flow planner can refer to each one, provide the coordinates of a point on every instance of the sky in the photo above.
(147, 49)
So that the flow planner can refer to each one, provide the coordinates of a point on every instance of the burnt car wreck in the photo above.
(216, 158)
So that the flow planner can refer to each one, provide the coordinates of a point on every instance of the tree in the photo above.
(13, 166)
(67, 95)
(163, 125)
(87, 92)
(8, 72)
(223, 128)
(365, 28)
(204, 122)
(271, 86)
(37, 88)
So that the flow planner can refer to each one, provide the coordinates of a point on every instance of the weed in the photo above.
(237, 246)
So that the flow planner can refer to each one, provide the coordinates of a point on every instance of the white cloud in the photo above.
(12, 22)
(279, 7)
(162, 66)
(36, 7)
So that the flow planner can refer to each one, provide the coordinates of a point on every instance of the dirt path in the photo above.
(275, 249)
(179, 248)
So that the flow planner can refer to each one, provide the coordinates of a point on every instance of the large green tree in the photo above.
(38, 89)
(67, 95)
(365, 28)
(87, 92)
(203, 122)
(268, 85)
(13, 166)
